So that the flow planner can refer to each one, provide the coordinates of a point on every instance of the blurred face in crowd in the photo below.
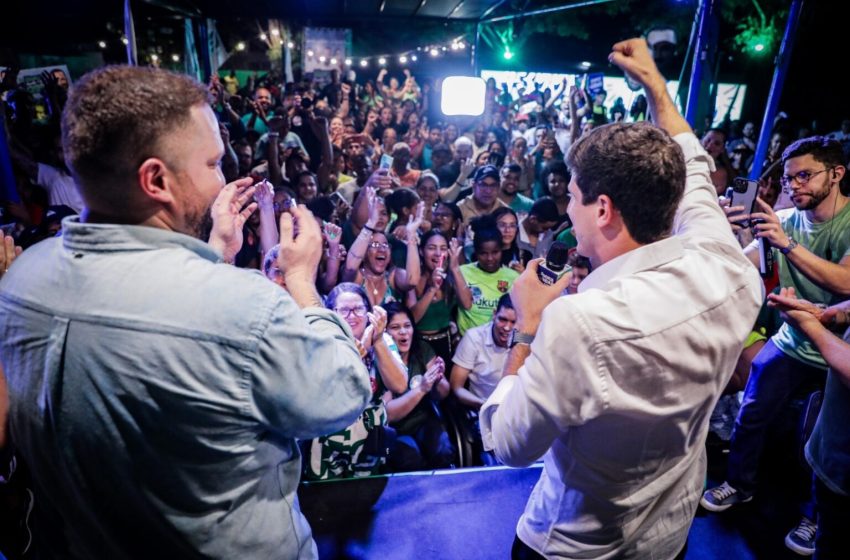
(490, 138)
(435, 135)
(557, 185)
(489, 256)
(389, 139)
(714, 143)
(444, 220)
(451, 133)
(520, 147)
(777, 144)
(280, 202)
(482, 158)
(503, 323)
(577, 275)
(386, 116)
(480, 135)
(337, 127)
(393, 83)
(352, 309)
(427, 191)
(413, 121)
(378, 253)
(539, 134)
(61, 78)
(401, 157)
(348, 126)
(436, 249)
(510, 182)
(263, 97)
(400, 328)
(463, 151)
(439, 159)
(507, 225)
(749, 130)
(769, 189)
(306, 189)
(486, 191)
(496, 147)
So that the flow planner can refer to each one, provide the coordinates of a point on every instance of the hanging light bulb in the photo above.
(175, 57)
(434, 52)
(348, 62)
(310, 53)
(263, 37)
(402, 59)
(382, 61)
(289, 45)
(364, 63)
(240, 46)
(414, 58)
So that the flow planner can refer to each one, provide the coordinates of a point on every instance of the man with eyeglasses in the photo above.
(812, 248)
(485, 194)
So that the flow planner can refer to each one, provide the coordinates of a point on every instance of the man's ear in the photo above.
(605, 211)
(838, 172)
(156, 181)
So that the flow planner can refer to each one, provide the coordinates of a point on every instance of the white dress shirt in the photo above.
(620, 384)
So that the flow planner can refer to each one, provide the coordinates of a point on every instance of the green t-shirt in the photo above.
(567, 237)
(816, 238)
(521, 204)
(486, 289)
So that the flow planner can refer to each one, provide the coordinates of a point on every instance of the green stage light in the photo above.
(508, 54)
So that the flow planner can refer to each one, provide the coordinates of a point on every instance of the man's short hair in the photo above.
(504, 303)
(462, 141)
(824, 150)
(116, 118)
(639, 167)
(441, 149)
(578, 261)
(545, 209)
(511, 168)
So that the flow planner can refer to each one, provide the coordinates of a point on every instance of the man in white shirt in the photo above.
(614, 386)
(481, 355)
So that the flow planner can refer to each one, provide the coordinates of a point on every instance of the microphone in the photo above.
(555, 267)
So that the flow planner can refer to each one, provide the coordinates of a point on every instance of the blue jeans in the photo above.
(774, 377)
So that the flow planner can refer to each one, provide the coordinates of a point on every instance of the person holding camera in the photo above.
(639, 357)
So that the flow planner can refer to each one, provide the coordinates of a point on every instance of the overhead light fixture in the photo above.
(364, 63)
(240, 46)
(382, 61)
(434, 52)
(175, 57)
(289, 45)
(310, 53)
(585, 65)
(454, 46)
(334, 61)
(348, 62)
(101, 44)
(125, 40)
(154, 57)
(414, 58)
(461, 45)
(402, 59)
(263, 37)
(463, 95)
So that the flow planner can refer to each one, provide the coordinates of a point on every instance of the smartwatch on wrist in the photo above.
(519, 338)
(790, 247)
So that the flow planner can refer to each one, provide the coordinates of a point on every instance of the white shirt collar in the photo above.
(636, 260)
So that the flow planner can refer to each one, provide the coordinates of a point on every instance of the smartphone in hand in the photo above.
(743, 192)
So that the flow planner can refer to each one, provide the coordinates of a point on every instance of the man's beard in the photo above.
(200, 224)
(814, 200)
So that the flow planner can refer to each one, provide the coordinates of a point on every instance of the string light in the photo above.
(240, 46)
(154, 57)
(382, 61)
(348, 62)
(364, 63)
(322, 59)
(414, 58)
(402, 59)
(310, 53)
(263, 37)
(125, 40)
(289, 45)
(434, 52)
(334, 61)
(175, 57)
(101, 44)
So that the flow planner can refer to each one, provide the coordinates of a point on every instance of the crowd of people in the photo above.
(426, 223)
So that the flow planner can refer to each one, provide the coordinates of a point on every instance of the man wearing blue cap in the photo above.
(485, 194)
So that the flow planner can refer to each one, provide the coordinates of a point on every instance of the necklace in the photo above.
(369, 282)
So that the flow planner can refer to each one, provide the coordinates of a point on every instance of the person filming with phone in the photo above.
(157, 392)
(614, 386)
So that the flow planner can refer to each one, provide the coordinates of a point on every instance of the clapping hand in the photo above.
(377, 324)
(229, 213)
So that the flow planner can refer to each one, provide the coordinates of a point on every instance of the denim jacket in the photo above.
(156, 394)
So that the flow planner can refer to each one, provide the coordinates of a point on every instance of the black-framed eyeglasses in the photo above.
(345, 312)
(801, 178)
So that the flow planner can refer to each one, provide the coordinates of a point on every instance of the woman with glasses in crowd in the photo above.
(422, 441)
(448, 218)
(428, 187)
(369, 264)
(361, 448)
(440, 288)
(507, 222)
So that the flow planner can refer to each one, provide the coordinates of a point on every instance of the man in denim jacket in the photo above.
(156, 392)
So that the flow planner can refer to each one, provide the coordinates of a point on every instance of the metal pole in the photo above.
(475, 50)
(130, 35)
(706, 47)
(544, 11)
(782, 63)
(204, 43)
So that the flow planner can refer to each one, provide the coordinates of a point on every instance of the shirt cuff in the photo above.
(489, 408)
(692, 149)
